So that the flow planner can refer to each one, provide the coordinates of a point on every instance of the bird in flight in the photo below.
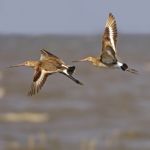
(108, 56)
(47, 65)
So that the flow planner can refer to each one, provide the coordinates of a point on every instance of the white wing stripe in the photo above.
(40, 80)
(111, 34)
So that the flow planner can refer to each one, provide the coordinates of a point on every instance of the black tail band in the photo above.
(124, 67)
(70, 70)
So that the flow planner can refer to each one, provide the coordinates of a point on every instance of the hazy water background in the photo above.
(111, 111)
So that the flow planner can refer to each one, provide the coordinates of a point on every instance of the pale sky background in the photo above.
(73, 16)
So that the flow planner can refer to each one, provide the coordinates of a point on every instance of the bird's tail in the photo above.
(68, 72)
(125, 67)
(71, 70)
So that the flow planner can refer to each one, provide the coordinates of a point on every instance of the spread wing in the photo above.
(38, 82)
(45, 55)
(109, 41)
(110, 33)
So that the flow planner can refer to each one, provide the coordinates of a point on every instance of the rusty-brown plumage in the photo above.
(108, 56)
(47, 65)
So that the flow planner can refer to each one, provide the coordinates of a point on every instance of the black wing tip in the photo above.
(47, 53)
(111, 15)
(30, 93)
(80, 83)
(75, 80)
(72, 78)
(33, 90)
(44, 50)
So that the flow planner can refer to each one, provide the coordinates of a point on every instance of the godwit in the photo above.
(108, 57)
(47, 65)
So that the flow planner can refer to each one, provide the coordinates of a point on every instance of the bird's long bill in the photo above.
(18, 65)
(80, 60)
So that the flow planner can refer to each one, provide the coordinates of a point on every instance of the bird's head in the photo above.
(26, 63)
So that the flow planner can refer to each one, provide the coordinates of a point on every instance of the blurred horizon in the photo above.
(72, 17)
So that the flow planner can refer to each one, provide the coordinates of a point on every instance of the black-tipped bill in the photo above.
(75, 61)
(85, 59)
(18, 65)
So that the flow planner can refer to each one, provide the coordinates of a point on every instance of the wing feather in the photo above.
(38, 82)
(110, 33)
(45, 55)
(109, 41)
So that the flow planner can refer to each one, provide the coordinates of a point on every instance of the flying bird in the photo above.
(108, 57)
(47, 65)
